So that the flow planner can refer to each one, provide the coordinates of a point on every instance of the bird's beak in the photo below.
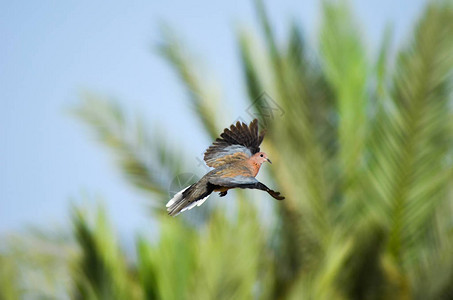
(269, 160)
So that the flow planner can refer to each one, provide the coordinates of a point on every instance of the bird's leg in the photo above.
(221, 194)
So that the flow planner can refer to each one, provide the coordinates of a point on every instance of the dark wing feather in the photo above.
(235, 143)
(244, 182)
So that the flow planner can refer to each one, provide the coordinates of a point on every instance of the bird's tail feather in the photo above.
(180, 202)
(177, 197)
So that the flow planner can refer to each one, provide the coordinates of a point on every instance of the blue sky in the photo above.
(53, 51)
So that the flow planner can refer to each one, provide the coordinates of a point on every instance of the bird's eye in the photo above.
(261, 155)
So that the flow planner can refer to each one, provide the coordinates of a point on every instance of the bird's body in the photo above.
(236, 160)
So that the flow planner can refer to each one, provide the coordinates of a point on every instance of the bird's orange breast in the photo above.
(254, 168)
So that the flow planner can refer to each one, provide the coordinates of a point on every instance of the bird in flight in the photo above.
(236, 159)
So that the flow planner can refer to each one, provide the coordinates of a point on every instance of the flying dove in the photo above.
(236, 159)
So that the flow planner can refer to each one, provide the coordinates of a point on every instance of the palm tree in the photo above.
(363, 153)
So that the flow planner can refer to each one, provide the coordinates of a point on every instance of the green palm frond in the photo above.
(239, 268)
(382, 66)
(251, 68)
(433, 274)
(203, 96)
(36, 263)
(148, 160)
(171, 261)
(9, 279)
(345, 66)
(147, 269)
(101, 271)
(410, 160)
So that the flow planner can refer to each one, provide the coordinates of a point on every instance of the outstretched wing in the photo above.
(244, 182)
(238, 142)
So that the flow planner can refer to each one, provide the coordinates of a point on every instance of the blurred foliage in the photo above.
(362, 151)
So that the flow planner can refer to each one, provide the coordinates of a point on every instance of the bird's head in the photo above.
(260, 158)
